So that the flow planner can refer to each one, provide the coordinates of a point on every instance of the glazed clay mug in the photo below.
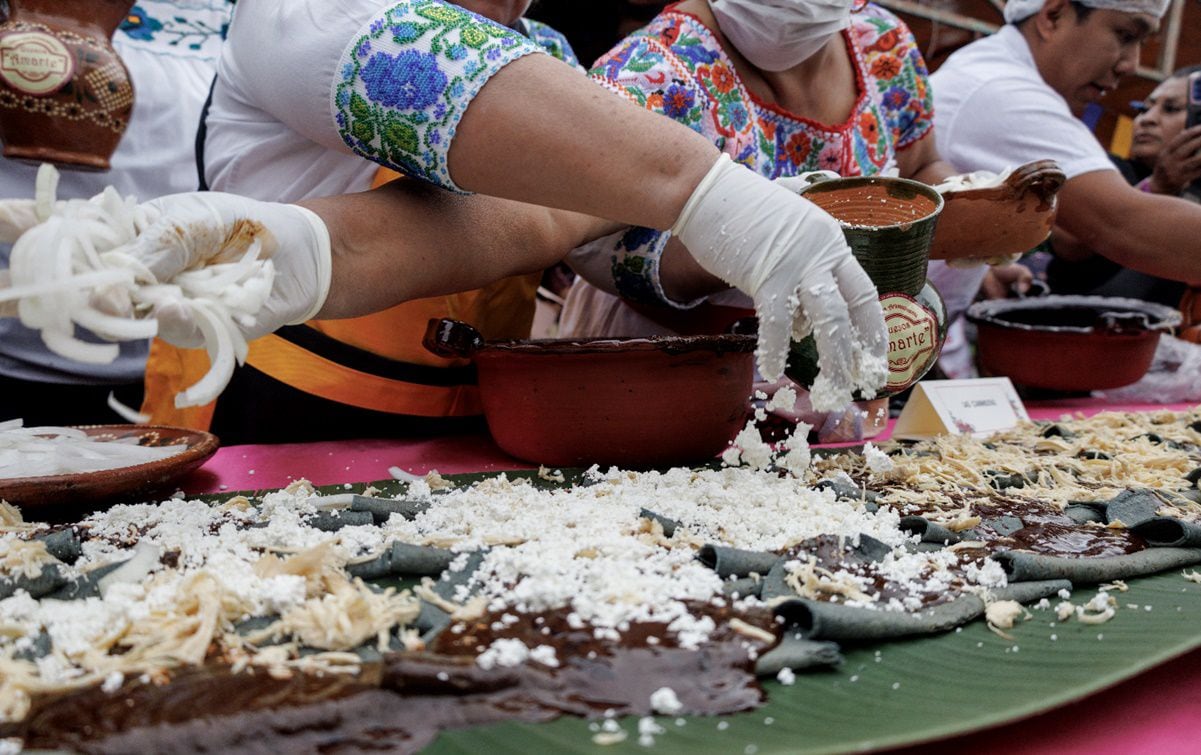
(889, 224)
(65, 95)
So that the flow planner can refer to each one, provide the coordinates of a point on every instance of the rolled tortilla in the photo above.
(47, 581)
(735, 562)
(929, 532)
(669, 525)
(1132, 507)
(746, 587)
(1169, 532)
(63, 544)
(1021, 566)
(403, 559)
(85, 585)
(382, 509)
(332, 521)
(817, 620)
(796, 653)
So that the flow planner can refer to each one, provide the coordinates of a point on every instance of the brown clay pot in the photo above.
(65, 94)
(629, 402)
(1002, 220)
(1069, 343)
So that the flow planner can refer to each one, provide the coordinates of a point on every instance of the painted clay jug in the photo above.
(65, 95)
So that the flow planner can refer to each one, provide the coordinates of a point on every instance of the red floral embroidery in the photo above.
(798, 148)
(887, 40)
(723, 78)
(870, 128)
(886, 67)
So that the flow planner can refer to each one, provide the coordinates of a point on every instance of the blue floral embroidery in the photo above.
(163, 23)
(139, 26)
(407, 81)
(551, 41)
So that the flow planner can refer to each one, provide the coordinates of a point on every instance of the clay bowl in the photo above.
(1069, 343)
(1012, 218)
(888, 223)
(55, 496)
(628, 402)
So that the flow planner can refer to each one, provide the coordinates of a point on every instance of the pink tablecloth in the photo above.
(1158, 711)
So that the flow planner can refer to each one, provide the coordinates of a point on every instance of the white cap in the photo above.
(1020, 10)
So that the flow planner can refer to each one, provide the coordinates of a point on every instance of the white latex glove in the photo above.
(791, 258)
(16, 217)
(191, 230)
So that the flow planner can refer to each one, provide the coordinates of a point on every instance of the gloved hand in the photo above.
(793, 261)
(16, 217)
(192, 230)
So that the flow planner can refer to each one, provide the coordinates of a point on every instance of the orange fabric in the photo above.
(170, 370)
(308, 372)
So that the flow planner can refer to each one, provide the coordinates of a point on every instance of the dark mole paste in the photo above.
(401, 703)
(836, 555)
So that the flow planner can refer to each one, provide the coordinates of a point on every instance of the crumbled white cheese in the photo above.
(786, 677)
(665, 701)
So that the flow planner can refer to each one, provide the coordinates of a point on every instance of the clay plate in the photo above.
(87, 489)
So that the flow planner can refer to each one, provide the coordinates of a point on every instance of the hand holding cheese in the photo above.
(792, 259)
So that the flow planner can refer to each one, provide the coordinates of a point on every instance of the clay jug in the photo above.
(65, 94)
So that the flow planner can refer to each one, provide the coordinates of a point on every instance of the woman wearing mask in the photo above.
(782, 87)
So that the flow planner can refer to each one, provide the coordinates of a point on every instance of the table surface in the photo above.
(1158, 711)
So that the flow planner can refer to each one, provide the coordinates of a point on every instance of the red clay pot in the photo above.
(65, 94)
(1069, 343)
(1008, 219)
(629, 402)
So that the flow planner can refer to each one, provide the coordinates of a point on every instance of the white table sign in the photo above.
(959, 407)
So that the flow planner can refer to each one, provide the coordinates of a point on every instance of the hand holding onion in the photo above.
(196, 269)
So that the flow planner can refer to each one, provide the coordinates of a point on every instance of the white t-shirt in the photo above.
(993, 111)
(281, 124)
(170, 48)
(270, 133)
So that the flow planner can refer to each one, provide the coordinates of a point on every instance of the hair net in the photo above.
(1020, 10)
(776, 35)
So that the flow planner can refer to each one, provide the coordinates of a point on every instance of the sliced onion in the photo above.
(73, 269)
(127, 413)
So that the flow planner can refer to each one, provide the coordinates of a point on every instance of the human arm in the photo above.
(384, 251)
(1178, 164)
(1151, 233)
(920, 161)
(591, 152)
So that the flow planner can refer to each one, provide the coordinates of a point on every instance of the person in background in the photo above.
(444, 96)
(1165, 158)
(170, 48)
(354, 376)
(1016, 96)
(783, 87)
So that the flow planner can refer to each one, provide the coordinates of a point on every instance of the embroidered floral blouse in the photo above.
(676, 67)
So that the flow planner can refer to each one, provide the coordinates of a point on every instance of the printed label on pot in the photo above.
(912, 339)
(35, 62)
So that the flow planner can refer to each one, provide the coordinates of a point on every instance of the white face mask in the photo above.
(776, 35)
